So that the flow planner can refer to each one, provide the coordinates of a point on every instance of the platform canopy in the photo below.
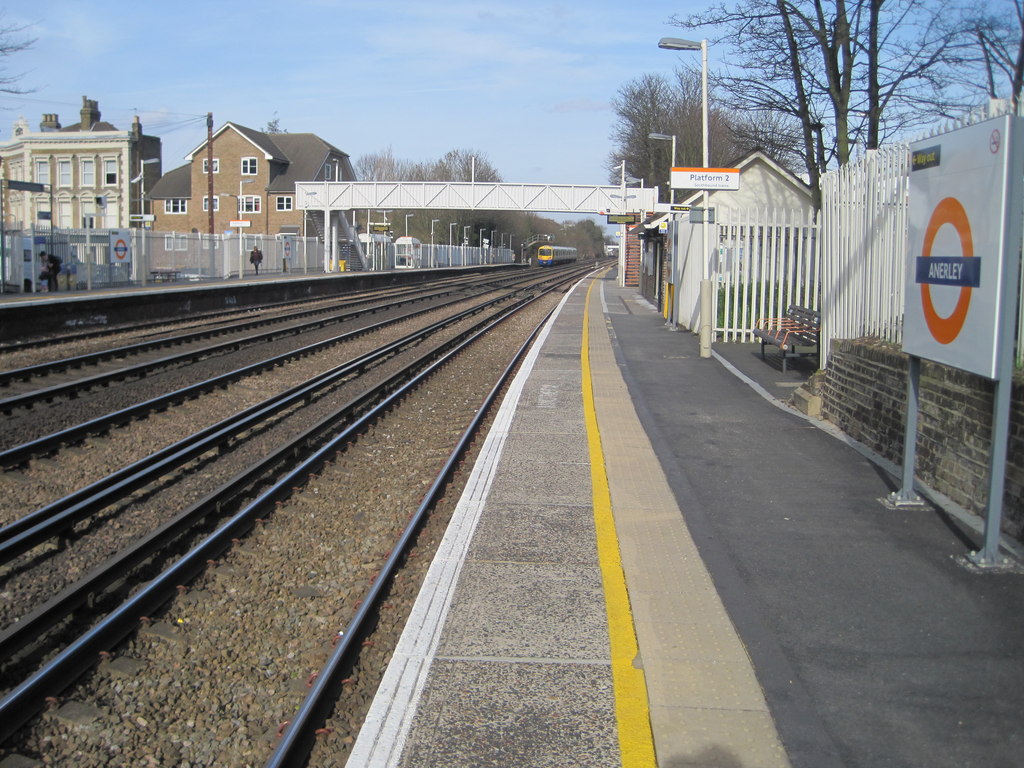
(464, 195)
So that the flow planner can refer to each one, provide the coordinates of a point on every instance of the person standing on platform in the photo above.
(52, 271)
(256, 258)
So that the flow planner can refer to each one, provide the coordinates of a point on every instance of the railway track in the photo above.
(280, 479)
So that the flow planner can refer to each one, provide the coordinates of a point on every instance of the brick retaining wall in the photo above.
(864, 393)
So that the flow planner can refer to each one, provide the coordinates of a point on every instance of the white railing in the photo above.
(767, 261)
(87, 261)
(864, 247)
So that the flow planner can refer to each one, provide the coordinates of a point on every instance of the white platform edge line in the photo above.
(381, 740)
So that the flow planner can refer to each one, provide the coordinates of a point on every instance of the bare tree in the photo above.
(995, 33)
(12, 41)
(382, 166)
(846, 71)
(274, 126)
(652, 103)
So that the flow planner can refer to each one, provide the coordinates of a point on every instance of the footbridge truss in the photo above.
(327, 202)
(332, 196)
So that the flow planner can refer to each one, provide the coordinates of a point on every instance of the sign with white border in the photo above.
(120, 246)
(706, 178)
(957, 253)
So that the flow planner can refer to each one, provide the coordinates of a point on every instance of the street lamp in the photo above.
(672, 138)
(142, 178)
(678, 44)
(407, 217)
(433, 257)
(240, 183)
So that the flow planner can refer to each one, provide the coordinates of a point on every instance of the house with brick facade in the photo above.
(254, 175)
(95, 174)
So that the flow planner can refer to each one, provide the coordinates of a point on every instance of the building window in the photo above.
(42, 171)
(63, 213)
(248, 166)
(328, 172)
(176, 205)
(249, 204)
(206, 165)
(216, 203)
(110, 172)
(64, 173)
(88, 173)
(285, 202)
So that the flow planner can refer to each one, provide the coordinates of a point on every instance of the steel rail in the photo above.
(348, 302)
(28, 698)
(71, 388)
(50, 521)
(47, 443)
(208, 318)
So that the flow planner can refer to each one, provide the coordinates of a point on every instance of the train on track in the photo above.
(549, 255)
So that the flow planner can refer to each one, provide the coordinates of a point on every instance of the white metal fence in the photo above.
(760, 261)
(767, 260)
(94, 258)
(864, 247)
(89, 258)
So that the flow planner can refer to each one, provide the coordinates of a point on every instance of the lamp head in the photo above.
(678, 44)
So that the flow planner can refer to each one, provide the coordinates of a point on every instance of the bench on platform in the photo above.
(799, 328)
(164, 275)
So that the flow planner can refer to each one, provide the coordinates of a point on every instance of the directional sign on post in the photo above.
(957, 256)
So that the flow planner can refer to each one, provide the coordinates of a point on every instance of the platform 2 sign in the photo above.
(958, 256)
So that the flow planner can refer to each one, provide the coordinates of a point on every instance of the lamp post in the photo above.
(433, 258)
(407, 217)
(142, 178)
(678, 44)
(672, 138)
(141, 210)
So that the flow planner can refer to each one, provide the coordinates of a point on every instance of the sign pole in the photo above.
(1013, 231)
(906, 496)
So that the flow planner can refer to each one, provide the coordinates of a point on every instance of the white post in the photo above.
(706, 323)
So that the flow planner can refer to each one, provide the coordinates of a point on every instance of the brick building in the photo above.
(254, 175)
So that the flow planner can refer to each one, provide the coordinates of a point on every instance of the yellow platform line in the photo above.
(632, 713)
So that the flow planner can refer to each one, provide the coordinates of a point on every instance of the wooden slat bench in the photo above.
(799, 328)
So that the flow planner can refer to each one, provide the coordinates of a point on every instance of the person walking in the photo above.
(256, 258)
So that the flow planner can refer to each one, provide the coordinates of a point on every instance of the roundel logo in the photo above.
(945, 329)
(120, 248)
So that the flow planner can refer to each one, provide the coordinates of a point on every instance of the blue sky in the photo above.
(527, 84)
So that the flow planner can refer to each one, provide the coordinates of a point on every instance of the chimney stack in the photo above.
(90, 113)
(50, 122)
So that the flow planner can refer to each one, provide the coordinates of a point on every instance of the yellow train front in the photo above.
(549, 255)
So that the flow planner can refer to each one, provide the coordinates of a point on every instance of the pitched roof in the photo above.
(306, 153)
(174, 184)
(292, 156)
(102, 125)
